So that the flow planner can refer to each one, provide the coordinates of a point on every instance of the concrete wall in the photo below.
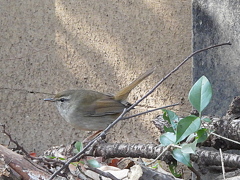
(50, 46)
(217, 22)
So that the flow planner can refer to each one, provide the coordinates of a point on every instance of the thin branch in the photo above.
(25, 91)
(225, 138)
(15, 142)
(131, 107)
(165, 149)
(51, 162)
(102, 173)
(222, 162)
(87, 146)
(81, 175)
(145, 112)
(195, 172)
(174, 70)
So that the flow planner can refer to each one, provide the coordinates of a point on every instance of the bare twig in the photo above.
(81, 153)
(20, 167)
(51, 162)
(145, 112)
(165, 149)
(225, 138)
(174, 70)
(222, 162)
(25, 91)
(81, 175)
(15, 142)
(132, 106)
(195, 172)
(102, 173)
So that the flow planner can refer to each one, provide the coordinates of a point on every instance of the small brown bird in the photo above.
(91, 110)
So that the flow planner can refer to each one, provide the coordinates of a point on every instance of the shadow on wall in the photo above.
(112, 38)
(213, 23)
(98, 45)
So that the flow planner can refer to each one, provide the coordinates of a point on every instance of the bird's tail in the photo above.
(123, 93)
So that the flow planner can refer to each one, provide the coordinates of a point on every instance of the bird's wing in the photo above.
(104, 106)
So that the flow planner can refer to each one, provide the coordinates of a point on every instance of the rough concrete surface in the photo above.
(50, 46)
(216, 22)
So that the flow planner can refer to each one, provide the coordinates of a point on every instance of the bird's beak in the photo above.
(50, 99)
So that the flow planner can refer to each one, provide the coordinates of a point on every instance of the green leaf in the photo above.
(202, 135)
(79, 146)
(93, 163)
(167, 138)
(182, 157)
(74, 163)
(155, 166)
(171, 117)
(77, 163)
(187, 126)
(191, 138)
(200, 94)
(189, 148)
(50, 157)
(207, 120)
(168, 129)
(173, 169)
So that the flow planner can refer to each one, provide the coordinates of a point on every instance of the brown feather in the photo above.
(123, 93)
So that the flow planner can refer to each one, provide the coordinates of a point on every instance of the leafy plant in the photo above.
(173, 169)
(79, 146)
(91, 162)
(187, 132)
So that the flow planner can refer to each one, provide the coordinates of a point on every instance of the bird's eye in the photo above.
(62, 99)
